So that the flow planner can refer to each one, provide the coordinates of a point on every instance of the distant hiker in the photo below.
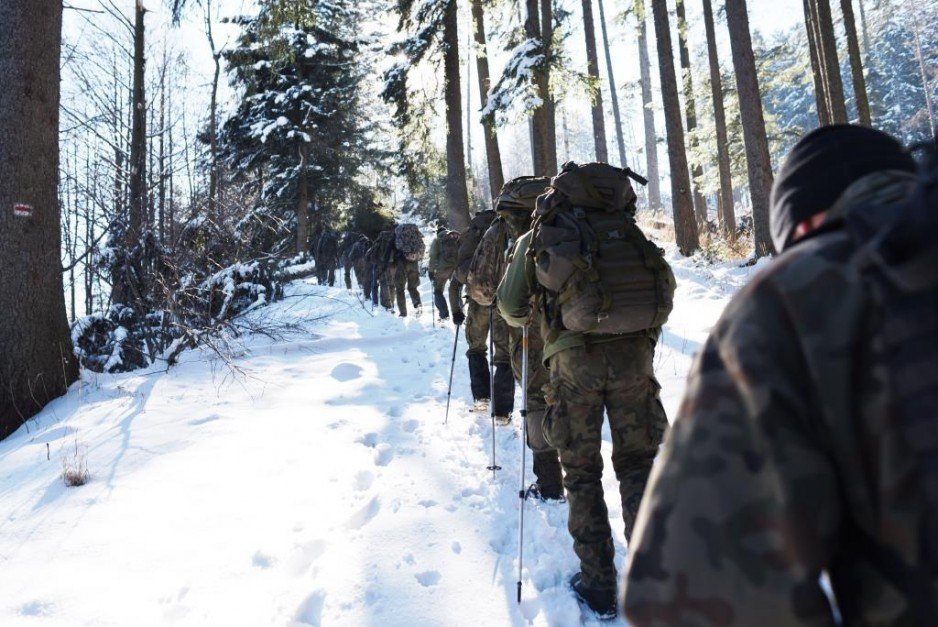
(477, 329)
(408, 252)
(378, 257)
(355, 248)
(601, 292)
(444, 253)
(515, 205)
(807, 441)
(327, 257)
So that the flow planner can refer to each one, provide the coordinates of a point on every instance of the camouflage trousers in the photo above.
(362, 276)
(616, 378)
(406, 274)
(477, 332)
(439, 298)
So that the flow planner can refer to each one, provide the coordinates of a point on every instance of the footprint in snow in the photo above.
(409, 426)
(37, 608)
(204, 420)
(369, 439)
(365, 515)
(306, 555)
(310, 610)
(384, 453)
(261, 560)
(428, 578)
(364, 479)
(346, 372)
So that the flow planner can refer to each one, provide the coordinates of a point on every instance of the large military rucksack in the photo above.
(601, 274)
(380, 252)
(469, 241)
(409, 241)
(520, 194)
(488, 264)
(449, 254)
(896, 251)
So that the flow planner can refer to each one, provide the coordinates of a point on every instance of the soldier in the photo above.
(444, 252)
(514, 206)
(356, 248)
(378, 258)
(591, 374)
(480, 321)
(806, 442)
(404, 266)
(327, 257)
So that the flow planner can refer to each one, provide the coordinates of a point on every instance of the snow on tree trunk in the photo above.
(36, 361)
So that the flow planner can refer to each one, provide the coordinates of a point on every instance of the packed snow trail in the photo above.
(314, 485)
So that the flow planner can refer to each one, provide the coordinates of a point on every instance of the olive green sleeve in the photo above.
(435, 248)
(515, 292)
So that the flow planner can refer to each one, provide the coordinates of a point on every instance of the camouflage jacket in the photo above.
(781, 456)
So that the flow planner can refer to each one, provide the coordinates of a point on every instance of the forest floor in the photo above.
(313, 484)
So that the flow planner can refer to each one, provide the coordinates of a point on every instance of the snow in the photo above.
(315, 484)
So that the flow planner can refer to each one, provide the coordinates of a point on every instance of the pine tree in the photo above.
(492, 152)
(690, 110)
(613, 92)
(648, 113)
(685, 226)
(592, 70)
(726, 209)
(36, 362)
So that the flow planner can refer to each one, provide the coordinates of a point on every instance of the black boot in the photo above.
(600, 600)
(504, 396)
(549, 485)
(479, 377)
(441, 305)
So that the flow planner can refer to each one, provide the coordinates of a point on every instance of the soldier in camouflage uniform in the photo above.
(787, 460)
(440, 270)
(591, 375)
(377, 258)
(327, 257)
(546, 461)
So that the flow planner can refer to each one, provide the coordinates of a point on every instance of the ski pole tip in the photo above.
(519, 593)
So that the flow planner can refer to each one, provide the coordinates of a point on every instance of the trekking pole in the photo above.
(452, 366)
(494, 467)
(524, 447)
(432, 304)
(374, 285)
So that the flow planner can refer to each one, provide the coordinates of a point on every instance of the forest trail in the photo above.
(316, 486)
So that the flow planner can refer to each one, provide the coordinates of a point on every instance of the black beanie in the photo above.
(822, 166)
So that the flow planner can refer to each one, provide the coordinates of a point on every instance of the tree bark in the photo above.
(726, 209)
(456, 189)
(648, 113)
(492, 153)
(817, 65)
(758, 162)
(828, 46)
(856, 64)
(917, 36)
(550, 106)
(540, 123)
(592, 69)
(213, 181)
(36, 360)
(700, 203)
(302, 204)
(613, 92)
(685, 227)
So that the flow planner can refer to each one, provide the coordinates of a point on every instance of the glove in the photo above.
(459, 317)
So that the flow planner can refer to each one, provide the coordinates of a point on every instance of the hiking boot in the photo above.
(601, 600)
(480, 405)
(503, 420)
(546, 493)
(418, 311)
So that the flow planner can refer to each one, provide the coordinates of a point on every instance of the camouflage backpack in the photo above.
(896, 252)
(449, 253)
(599, 271)
(409, 241)
(469, 241)
(488, 264)
(521, 194)
(381, 250)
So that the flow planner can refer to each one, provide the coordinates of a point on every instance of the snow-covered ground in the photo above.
(317, 485)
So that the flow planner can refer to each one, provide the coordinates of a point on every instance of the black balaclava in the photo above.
(822, 166)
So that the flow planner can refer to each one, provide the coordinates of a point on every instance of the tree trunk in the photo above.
(828, 46)
(456, 190)
(726, 209)
(817, 65)
(917, 36)
(550, 106)
(36, 360)
(856, 63)
(540, 124)
(302, 204)
(866, 33)
(685, 227)
(493, 155)
(648, 113)
(700, 203)
(129, 285)
(213, 120)
(161, 214)
(758, 162)
(613, 92)
(592, 69)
